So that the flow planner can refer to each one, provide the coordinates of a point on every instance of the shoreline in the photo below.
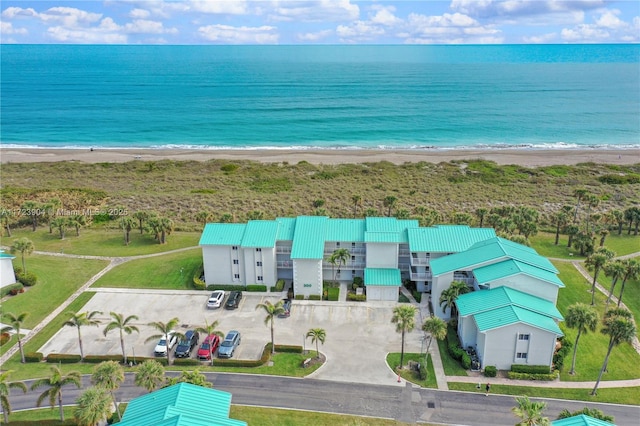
(519, 156)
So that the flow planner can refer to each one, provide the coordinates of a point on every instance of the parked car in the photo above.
(163, 345)
(186, 345)
(286, 304)
(229, 344)
(234, 300)
(215, 300)
(208, 347)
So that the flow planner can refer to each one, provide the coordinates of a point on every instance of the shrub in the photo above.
(33, 357)
(198, 284)
(465, 361)
(357, 297)
(528, 376)
(315, 297)
(333, 294)
(299, 297)
(97, 359)
(417, 295)
(63, 358)
(28, 279)
(289, 349)
(273, 289)
(4, 338)
(561, 354)
(7, 290)
(531, 369)
(257, 288)
(422, 371)
(456, 352)
(225, 287)
(141, 359)
(490, 371)
(266, 354)
(280, 285)
(14, 291)
(229, 168)
(185, 361)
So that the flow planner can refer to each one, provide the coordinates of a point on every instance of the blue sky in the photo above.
(320, 22)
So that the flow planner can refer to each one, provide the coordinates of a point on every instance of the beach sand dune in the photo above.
(524, 157)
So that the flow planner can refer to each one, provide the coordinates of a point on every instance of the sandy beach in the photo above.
(524, 157)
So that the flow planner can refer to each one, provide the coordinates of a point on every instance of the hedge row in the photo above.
(333, 294)
(257, 288)
(299, 297)
(289, 349)
(33, 357)
(63, 358)
(185, 361)
(6, 290)
(266, 353)
(27, 278)
(529, 376)
(357, 297)
(315, 297)
(96, 359)
(225, 287)
(530, 369)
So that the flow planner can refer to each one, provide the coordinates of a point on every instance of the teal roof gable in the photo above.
(222, 234)
(485, 300)
(508, 268)
(387, 277)
(260, 233)
(308, 237)
(446, 238)
(581, 420)
(350, 230)
(508, 315)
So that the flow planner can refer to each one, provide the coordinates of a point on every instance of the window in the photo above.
(523, 337)
(236, 261)
(234, 248)
(353, 245)
(236, 276)
(521, 355)
(338, 244)
(259, 277)
(259, 263)
(258, 249)
(353, 272)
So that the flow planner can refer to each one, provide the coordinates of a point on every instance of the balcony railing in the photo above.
(284, 264)
(420, 261)
(348, 265)
(420, 276)
(283, 249)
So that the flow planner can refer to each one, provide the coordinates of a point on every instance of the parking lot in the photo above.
(359, 335)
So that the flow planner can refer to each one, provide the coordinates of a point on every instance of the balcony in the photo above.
(284, 264)
(420, 261)
(283, 249)
(351, 250)
(420, 276)
(348, 265)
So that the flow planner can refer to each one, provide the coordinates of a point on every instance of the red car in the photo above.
(208, 347)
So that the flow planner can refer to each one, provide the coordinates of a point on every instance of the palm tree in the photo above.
(127, 223)
(24, 246)
(603, 235)
(165, 329)
(357, 202)
(617, 217)
(5, 217)
(436, 327)
(317, 335)
(93, 406)
(166, 228)
(481, 213)
(585, 319)
(123, 324)
(5, 386)
(15, 324)
(449, 296)
(579, 194)
(404, 318)
(56, 381)
(530, 412)
(149, 375)
(631, 272)
(109, 375)
(208, 330)
(203, 217)
(79, 320)
(615, 270)
(194, 377)
(618, 324)
(78, 221)
(60, 223)
(592, 201)
(389, 202)
(560, 219)
(33, 210)
(272, 311)
(338, 258)
(572, 231)
(596, 261)
(141, 217)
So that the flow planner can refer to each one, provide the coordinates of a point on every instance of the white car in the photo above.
(162, 346)
(216, 299)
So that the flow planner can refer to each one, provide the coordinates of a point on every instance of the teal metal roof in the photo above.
(308, 237)
(446, 238)
(180, 404)
(286, 227)
(6, 255)
(507, 268)
(351, 230)
(493, 249)
(384, 237)
(388, 277)
(260, 233)
(222, 234)
(484, 300)
(508, 315)
(581, 420)
(388, 229)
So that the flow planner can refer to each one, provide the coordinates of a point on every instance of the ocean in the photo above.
(320, 97)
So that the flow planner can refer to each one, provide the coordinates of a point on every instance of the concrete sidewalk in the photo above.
(543, 384)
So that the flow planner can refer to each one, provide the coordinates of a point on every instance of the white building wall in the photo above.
(378, 292)
(438, 285)
(260, 262)
(382, 255)
(7, 275)
(502, 345)
(218, 265)
(467, 331)
(307, 276)
(529, 285)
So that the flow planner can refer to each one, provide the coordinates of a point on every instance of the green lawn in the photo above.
(629, 396)
(58, 278)
(393, 361)
(543, 242)
(102, 242)
(42, 417)
(160, 272)
(451, 366)
(624, 362)
(631, 296)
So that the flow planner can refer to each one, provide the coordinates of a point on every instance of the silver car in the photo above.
(216, 299)
(229, 344)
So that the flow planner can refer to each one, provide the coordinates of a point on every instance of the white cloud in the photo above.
(7, 28)
(143, 26)
(69, 16)
(541, 38)
(139, 14)
(312, 11)
(230, 7)
(584, 33)
(609, 19)
(239, 35)
(95, 35)
(515, 8)
(385, 15)
(15, 12)
(449, 28)
(317, 36)
(358, 31)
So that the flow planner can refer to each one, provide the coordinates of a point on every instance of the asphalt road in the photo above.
(405, 403)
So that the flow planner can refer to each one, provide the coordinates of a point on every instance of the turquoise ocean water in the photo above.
(247, 97)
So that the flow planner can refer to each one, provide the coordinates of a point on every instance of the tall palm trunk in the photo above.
(613, 285)
(60, 406)
(575, 351)
(124, 353)
(604, 367)
(80, 344)
(273, 345)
